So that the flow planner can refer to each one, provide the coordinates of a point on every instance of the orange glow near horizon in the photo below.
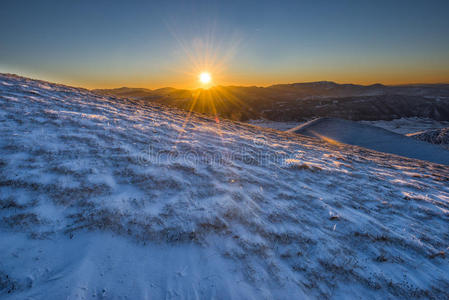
(161, 44)
(224, 77)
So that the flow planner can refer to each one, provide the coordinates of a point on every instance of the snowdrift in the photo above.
(104, 198)
(372, 137)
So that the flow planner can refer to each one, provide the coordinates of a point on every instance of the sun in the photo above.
(205, 78)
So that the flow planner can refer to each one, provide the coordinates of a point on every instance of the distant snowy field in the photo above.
(409, 125)
(402, 126)
(104, 198)
(372, 137)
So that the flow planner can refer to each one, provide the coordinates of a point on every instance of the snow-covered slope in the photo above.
(407, 126)
(372, 137)
(106, 198)
(435, 136)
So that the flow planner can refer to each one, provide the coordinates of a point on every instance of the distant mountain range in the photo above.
(303, 101)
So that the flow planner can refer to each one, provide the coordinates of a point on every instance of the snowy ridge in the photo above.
(107, 198)
(372, 137)
(435, 136)
(407, 126)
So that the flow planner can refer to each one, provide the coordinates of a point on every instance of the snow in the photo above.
(111, 198)
(407, 126)
(350, 132)
(282, 126)
(433, 136)
(404, 126)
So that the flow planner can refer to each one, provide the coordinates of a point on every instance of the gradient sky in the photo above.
(104, 44)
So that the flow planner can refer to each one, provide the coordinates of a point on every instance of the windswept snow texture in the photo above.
(372, 137)
(105, 198)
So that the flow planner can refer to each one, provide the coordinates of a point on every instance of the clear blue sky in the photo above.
(166, 43)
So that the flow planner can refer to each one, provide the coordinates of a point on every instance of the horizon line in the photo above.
(230, 85)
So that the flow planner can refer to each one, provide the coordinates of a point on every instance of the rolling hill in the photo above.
(106, 198)
(304, 101)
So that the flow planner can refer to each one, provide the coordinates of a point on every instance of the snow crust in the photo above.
(110, 198)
